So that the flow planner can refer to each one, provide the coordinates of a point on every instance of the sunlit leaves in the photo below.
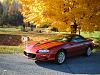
(31, 10)
(60, 13)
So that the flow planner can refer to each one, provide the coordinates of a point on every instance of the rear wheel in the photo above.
(88, 51)
(60, 57)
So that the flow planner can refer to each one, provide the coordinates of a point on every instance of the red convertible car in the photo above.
(58, 50)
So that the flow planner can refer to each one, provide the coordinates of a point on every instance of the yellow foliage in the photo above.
(60, 13)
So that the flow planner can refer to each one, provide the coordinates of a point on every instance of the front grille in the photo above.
(30, 54)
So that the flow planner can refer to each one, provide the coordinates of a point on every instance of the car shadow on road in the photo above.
(76, 65)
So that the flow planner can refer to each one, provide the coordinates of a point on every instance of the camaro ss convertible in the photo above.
(58, 50)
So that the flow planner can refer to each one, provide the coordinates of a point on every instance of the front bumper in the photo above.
(38, 56)
(29, 55)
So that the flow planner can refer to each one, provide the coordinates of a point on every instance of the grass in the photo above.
(11, 49)
(96, 50)
(12, 31)
(18, 49)
(94, 35)
(9, 29)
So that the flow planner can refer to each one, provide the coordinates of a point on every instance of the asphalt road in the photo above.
(17, 64)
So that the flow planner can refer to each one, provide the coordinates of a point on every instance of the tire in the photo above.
(88, 51)
(60, 57)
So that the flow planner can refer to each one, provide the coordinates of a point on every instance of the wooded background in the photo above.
(52, 13)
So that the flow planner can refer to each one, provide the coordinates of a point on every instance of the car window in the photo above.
(77, 39)
(62, 40)
(65, 39)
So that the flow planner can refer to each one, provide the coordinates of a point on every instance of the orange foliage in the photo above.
(60, 13)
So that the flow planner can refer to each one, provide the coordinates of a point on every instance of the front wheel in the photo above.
(60, 57)
(88, 51)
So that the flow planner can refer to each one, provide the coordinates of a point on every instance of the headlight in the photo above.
(43, 51)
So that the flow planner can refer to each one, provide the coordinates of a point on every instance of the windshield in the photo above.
(62, 40)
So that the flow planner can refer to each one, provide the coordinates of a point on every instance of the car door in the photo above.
(77, 45)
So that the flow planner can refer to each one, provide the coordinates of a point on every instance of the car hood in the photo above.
(32, 48)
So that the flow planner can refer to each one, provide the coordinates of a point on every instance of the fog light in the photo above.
(44, 55)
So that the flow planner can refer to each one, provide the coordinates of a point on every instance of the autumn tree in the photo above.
(1, 12)
(10, 14)
(61, 13)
